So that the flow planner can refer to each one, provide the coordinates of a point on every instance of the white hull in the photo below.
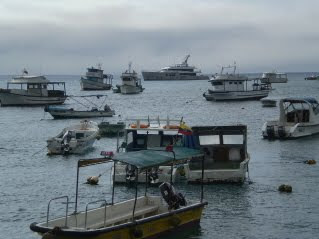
(80, 114)
(128, 89)
(267, 80)
(163, 176)
(218, 175)
(10, 98)
(236, 95)
(83, 138)
(87, 84)
(163, 76)
(278, 130)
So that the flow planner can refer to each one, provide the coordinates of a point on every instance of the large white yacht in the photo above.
(232, 86)
(298, 117)
(27, 90)
(175, 72)
(94, 79)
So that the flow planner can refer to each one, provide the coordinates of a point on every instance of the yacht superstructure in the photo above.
(181, 71)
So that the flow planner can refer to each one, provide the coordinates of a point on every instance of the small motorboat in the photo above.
(298, 117)
(75, 139)
(144, 216)
(65, 113)
(268, 102)
(110, 129)
(312, 77)
(226, 157)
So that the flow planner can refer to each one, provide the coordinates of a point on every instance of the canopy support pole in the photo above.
(146, 182)
(113, 183)
(136, 182)
(77, 188)
(202, 181)
(172, 167)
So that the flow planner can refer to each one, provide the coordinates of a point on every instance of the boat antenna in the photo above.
(129, 67)
(99, 65)
(234, 67)
(185, 60)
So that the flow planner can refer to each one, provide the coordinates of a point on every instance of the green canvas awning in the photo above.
(144, 159)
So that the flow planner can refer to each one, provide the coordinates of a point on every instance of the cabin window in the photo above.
(129, 138)
(217, 83)
(44, 86)
(230, 82)
(79, 135)
(153, 141)
(235, 83)
(209, 139)
(233, 139)
(30, 86)
(240, 82)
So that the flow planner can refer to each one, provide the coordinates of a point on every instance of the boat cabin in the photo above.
(224, 147)
(274, 75)
(37, 86)
(151, 134)
(294, 110)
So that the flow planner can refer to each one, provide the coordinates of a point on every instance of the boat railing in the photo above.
(66, 210)
(86, 211)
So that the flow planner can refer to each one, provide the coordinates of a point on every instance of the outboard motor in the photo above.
(65, 147)
(281, 132)
(270, 131)
(153, 176)
(130, 173)
(173, 199)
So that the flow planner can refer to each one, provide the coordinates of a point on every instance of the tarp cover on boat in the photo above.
(154, 157)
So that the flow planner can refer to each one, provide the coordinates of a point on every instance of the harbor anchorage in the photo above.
(132, 218)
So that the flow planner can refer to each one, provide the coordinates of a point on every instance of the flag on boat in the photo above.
(184, 129)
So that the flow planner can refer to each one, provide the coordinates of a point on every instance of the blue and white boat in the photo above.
(95, 79)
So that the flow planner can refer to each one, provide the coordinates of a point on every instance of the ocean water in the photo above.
(29, 178)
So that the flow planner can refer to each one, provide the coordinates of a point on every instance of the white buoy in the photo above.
(93, 180)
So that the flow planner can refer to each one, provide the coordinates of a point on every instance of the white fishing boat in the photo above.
(131, 83)
(27, 90)
(273, 77)
(298, 117)
(150, 134)
(147, 216)
(181, 71)
(225, 150)
(75, 139)
(95, 79)
(312, 77)
(235, 87)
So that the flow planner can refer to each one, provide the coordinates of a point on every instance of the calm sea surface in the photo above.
(29, 178)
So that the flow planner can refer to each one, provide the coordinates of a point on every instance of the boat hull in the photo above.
(87, 84)
(149, 227)
(79, 114)
(218, 175)
(276, 130)
(269, 80)
(235, 95)
(164, 76)
(8, 98)
(128, 89)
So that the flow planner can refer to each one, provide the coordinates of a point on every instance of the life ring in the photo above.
(171, 127)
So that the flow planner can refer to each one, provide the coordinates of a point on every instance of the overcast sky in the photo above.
(66, 36)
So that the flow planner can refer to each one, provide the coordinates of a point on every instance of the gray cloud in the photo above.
(59, 37)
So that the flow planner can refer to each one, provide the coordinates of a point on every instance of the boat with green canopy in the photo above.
(145, 216)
